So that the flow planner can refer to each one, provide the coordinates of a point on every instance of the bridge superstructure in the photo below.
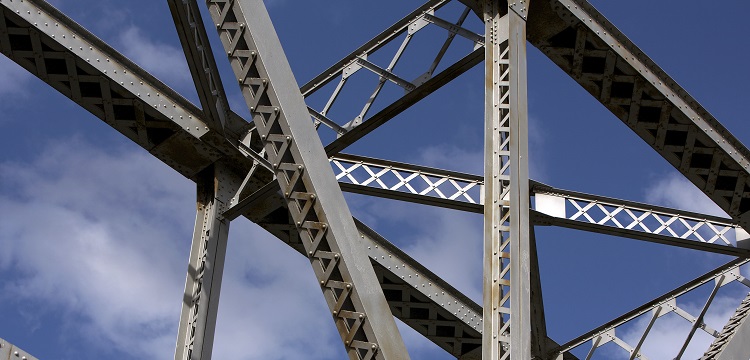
(284, 168)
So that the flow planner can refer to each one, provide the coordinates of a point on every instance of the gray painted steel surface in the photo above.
(276, 172)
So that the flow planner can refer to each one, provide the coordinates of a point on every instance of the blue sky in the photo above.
(95, 233)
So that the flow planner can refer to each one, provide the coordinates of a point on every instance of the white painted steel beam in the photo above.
(638, 221)
(407, 182)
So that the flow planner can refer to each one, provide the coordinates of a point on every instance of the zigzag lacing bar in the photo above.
(729, 329)
(328, 265)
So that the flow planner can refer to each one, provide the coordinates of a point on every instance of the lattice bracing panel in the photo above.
(638, 221)
(408, 182)
(360, 61)
(658, 308)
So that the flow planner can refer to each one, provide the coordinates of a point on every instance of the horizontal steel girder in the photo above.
(637, 221)
(408, 182)
(556, 207)
(582, 42)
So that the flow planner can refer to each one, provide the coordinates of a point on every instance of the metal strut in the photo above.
(313, 198)
(203, 284)
(507, 283)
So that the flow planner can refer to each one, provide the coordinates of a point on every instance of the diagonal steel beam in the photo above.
(540, 342)
(104, 82)
(197, 48)
(420, 92)
(575, 36)
(314, 200)
(10, 351)
(370, 46)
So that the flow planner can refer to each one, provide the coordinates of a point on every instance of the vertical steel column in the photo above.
(314, 199)
(203, 284)
(507, 289)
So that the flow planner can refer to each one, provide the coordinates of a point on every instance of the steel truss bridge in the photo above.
(279, 170)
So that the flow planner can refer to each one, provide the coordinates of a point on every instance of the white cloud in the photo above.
(271, 305)
(14, 78)
(164, 61)
(79, 243)
(670, 331)
(471, 160)
(102, 237)
(674, 190)
(270, 3)
(447, 242)
(450, 157)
